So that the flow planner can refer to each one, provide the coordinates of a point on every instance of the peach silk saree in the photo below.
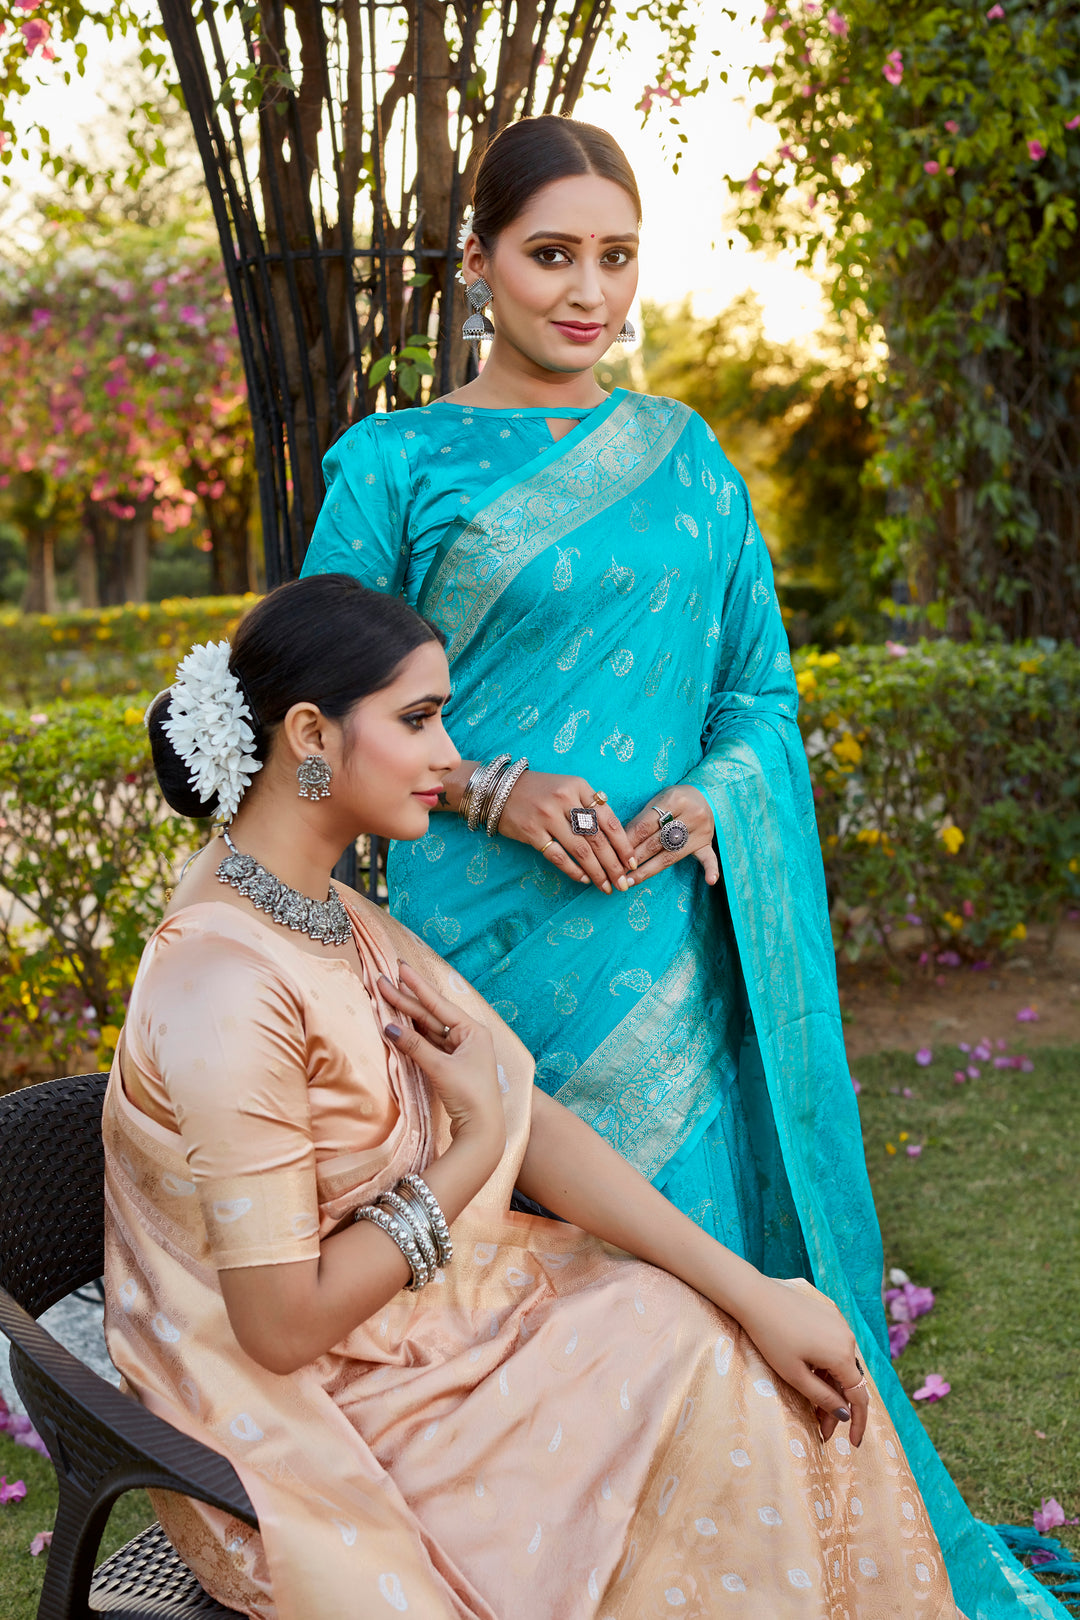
(550, 1430)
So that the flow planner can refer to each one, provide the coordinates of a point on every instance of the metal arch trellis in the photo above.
(293, 116)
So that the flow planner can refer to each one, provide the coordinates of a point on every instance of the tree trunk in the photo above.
(134, 537)
(228, 517)
(86, 562)
(40, 596)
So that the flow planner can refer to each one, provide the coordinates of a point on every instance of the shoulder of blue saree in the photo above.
(362, 527)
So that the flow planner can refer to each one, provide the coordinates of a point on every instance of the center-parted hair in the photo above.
(528, 155)
(326, 640)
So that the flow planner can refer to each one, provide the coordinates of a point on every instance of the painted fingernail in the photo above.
(394, 1031)
(843, 1414)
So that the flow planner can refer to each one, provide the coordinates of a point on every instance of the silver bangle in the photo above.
(507, 783)
(489, 790)
(478, 805)
(395, 1228)
(417, 1220)
(438, 1220)
(467, 797)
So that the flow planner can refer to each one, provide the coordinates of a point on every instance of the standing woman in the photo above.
(627, 868)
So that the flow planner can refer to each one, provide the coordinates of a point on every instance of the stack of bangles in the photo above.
(488, 789)
(412, 1217)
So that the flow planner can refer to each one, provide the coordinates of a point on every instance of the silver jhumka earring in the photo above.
(627, 335)
(313, 775)
(477, 326)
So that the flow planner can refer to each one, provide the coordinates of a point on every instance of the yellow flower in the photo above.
(109, 1034)
(1074, 864)
(831, 840)
(847, 749)
(1019, 932)
(1030, 666)
(903, 1136)
(951, 837)
(953, 919)
(142, 612)
(103, 633)
(829, 660)
(811, 659)
(889, 1148)
(868, 835)
(133, 717)
(806, 682)
(46, 618)
(831, 720)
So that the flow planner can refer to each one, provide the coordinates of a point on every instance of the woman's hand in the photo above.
(688, 805)
(538, 813)
(455, 1053)
(804, 1338)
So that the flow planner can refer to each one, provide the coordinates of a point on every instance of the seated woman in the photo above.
(438, 1406)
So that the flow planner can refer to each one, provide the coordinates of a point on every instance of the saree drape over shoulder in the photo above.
(609, 610)
(548, 1431)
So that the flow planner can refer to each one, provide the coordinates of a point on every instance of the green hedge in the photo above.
(118, 650)
(86, 855)
(946, 779)
(947, 787)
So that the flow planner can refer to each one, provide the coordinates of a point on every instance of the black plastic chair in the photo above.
(102, 1443)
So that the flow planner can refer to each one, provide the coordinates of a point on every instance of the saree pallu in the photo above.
(549, 1430)
(610, 611)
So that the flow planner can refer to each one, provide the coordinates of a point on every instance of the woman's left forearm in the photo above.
(573, 1172)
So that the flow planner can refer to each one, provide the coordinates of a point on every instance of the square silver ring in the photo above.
(584, 822)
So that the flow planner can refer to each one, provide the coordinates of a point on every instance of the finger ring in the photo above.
(584, 821)
(601, 797)
(849, 1389)
(542, 848)
(673, 833)
(445, 1031)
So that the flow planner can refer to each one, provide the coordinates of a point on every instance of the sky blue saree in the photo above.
(609, 610)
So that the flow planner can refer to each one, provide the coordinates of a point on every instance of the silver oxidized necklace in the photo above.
(326, 921)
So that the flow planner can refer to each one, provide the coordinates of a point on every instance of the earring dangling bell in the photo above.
(477, 326)
(313, 775)
(627, 334)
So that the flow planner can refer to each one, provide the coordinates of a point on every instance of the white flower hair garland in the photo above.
(462, 238)
(208, 725)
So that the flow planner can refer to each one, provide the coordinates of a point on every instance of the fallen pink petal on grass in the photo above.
(1028, 1015)
(934, 1389)
(959, 1077)
(924, 1057)
(1051, 1516)
(899, 1336)
(42, 1540)
(13, 1492)
(914, 1150)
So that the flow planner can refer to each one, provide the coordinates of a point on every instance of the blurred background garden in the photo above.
(227, 231)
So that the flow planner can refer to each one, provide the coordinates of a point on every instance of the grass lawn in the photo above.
(987, 1217)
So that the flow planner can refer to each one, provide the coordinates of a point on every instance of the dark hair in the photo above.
(532, 153)
(326, 640)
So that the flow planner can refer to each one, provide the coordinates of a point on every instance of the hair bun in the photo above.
(173, 775)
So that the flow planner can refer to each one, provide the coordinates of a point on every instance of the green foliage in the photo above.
(930, 158)
(46, 656)
(947, 789)
(86, 855)
(797, 427)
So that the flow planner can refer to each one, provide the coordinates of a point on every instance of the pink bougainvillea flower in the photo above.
(983, 1051)
(974, 1072)
(932, 167)
(27, 5)
(933, 1389)
(914, 1150)
(894, 67)
(1051, 1516)
(959, 1077)
(38, 719)
(899, 1338)
(967, 908)
(1073, 123)
(952, 126)
(896, 649)
(963, 1046)
(949, 959)
(950, 169)
(42, 1540)
(924, 1057)
(753, 184)
(994, 13)
(1036, 151)
(838, 23)
(39, 320)
(787, 153)
(1027, 1015)
(35, 32)
(13, 1492)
